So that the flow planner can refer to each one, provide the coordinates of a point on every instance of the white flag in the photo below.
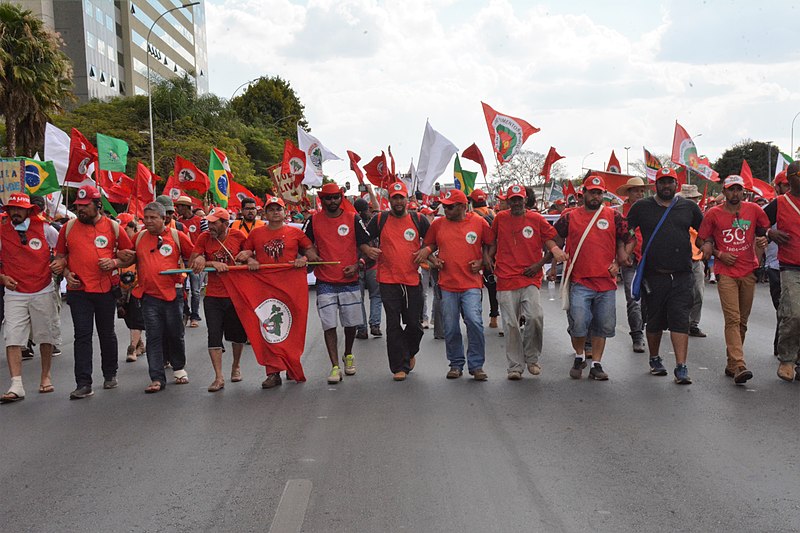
(434, 158)
(56, 149)
(782, 163)
(408, 179)
(316, 153)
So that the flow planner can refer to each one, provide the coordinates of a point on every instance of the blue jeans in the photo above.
(100, 308)
(195, 285)
(594, 311)
(369, 281)
(469, 305)
(163, 320)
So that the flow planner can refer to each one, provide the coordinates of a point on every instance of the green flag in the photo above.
(112, 153)
(40, 177)
(107, 205)
(464, 179)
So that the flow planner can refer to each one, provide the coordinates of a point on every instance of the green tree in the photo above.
(524, 168)
(271, 103)
(35, 77)
(759, 155)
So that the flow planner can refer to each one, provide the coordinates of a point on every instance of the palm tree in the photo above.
(35, 76)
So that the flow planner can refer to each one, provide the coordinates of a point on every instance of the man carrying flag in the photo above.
(276, 243)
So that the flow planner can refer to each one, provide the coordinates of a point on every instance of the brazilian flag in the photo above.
(464, 180)
(40, 177)
(219, 173)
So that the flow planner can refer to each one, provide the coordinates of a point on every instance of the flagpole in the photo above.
(268, 266)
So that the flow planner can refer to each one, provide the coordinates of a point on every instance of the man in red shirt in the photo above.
(88, 253)
(520, 235)
(337, 235)
(592, 273)
(158, 248)
(274, 243)
(729, 232)
(462, 240)
(400, 234)
(193, 226)
(218, 248)
(31, 297)
(477, 200)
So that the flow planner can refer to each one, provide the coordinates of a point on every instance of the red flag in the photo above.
(613, 164)
(568, 189)
(703, 199)
(684, 153)
(759, 187)
(144, 191)
(552, 157)
(473, 153)
(172, 188)
(392, 173)
(189, 177)
(354, 159)
(506, 133)
(117, 187)
(294, 161)
(238, 193)
(376, 170)
(273, 308)
(82, 154)
(346, 206)
(680, 171)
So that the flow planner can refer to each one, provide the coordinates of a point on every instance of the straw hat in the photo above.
(622, 190)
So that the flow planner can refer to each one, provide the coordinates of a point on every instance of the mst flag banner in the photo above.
(82, 159)
(507, 133)
(189, 177)
(377, 171)
(116, 186)
(239, 193)
(354, 159)
(219, 170)
(112, 153)
(684, 153)
(552, 157)
(613, 164)
(759, 187)
(144, 190)
(294, 161)
(651, 165)
(272, 305)
(315, 153)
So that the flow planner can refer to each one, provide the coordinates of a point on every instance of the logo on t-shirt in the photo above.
(602, 224)
(343, 230)
(409, 234)
(165, 250)
(275, 319)
(527, 232)
(35, 244)
(101, 241)
(471, 237)
(192, 228)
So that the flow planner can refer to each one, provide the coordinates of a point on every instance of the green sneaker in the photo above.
(335, 376)
(349, 364)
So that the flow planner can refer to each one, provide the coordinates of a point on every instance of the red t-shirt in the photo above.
(399, 241)
(734, 234)
(335, 238)
(28, 264)
(519, 245)
(276, 246)
(85, 246)
(151, 260)
(192, 227)
(212, 250)
(459, 243)
(788, 221)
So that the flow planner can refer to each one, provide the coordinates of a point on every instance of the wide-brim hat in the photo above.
(689, 191)
(623, 189)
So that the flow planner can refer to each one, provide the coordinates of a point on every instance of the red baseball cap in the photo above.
(781, 178)
(22, 200)
(86, 195)
(516, 190)
(453, 196)
(478, 195)
(330, 189)
(593, 181)
(398, 188)
(218, 213)
(274, 200)
(665, 172)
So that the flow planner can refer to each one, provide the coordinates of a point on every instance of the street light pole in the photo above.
(584, 160)
(242, 85)
(769, 154)
(149, 91)
(791, 145)
(626, 160)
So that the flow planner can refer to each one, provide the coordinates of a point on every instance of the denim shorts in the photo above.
(591, 311)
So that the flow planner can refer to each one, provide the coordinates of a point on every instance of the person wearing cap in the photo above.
(477, 199)
(169, 209)
(368, 278)
(159, 247)
(461, 240)
(593, 271)
(633, 191)
(31, 298)
(399, 233)
(426, 278)
(690, 192)
(338, 235)
(194, 226)
(784, 214)
(667, 281)
(249, 219)
(273, 243)
(771, 263)
(217, 248)
(129, 307)
(521, 235)
(88, 253)
(729, 233)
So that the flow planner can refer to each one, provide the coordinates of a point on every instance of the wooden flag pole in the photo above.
(245, 267)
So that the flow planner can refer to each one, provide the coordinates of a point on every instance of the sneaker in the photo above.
(682, 375)
(695, 331)
(27, 353)
(349, 364)
(785, 371)
(130, 357)
(362, 334)
(596, 373)
(657, 367)
(399, 376)
(478, 374)
(272, 381)
(81, 392)
(742, 375)
(454, 373)
(493, 322)
(375, 331)
(534, 369)
(56, 351)
(426, 324)
(514, 375)
(638, 346)
(110, 383)
(335, 376)
(729, 372)
(577, 368)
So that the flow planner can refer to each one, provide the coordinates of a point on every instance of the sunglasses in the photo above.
(159, 244)
(450, 206)
(332, 197)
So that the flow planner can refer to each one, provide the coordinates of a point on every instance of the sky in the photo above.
(594, 76)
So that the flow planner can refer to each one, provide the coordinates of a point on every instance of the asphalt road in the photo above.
(636, 453)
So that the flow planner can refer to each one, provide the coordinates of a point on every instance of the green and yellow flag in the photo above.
(112, 153)
(464, 179)
(219, 173)
(40, 177)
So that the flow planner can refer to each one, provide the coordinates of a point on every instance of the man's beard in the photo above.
(665, 194)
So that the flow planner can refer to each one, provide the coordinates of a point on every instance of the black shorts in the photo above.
(668, 299)
(133, 314)
(221, 318)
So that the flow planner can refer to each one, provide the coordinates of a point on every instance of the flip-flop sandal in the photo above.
(181, 381)
(153, 388)
(10, 397)
(216, 386)
(46, 388)
(236, 376)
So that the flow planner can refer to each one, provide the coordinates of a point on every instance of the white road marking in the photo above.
(291, 511)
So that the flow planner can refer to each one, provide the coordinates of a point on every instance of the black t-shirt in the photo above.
(671, 250)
